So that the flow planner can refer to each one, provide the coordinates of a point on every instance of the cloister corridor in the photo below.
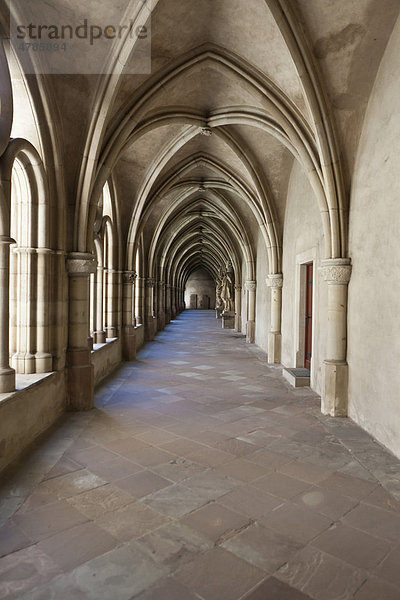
(201, 474)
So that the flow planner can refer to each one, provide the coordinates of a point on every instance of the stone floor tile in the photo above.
(350, 486)
(273, 589)
(73, 483)
(25, 570)
(377, 589)
(156, 437)
(46, 521)
(101, 500)
(174, 545)
(216, 521)
(301, 524)
(242, 469)
(353, 546)
(218, 574)
(75, 546)
(178, 469)
(281, 485)
(262, 547)
(250, 501)
(152, 457)
(143, 483)
(267, 458)
(211, 484)
(328, 503)
(389, 570)
(382, 499)
(304, 471)
(12, 538)
(376, 521)
(175, 500)
(321, 575)
(62, 467)
(235, 446)
(131, 521)
(167, 589)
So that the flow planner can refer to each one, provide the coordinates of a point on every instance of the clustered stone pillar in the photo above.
(128, 326)
(336, 273)
(251, 287)
(7, 374)
(149, 311)
(275, 282)
(161, 305)
(238, 308)
(99, 334)
(167, 304)
(112, 303)
(80, 369)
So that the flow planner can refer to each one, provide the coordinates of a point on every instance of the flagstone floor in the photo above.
(201, 475)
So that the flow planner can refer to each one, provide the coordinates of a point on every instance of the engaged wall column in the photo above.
(128, 332)
(275, 282)
(238, 308)
(251, 287)
(336, 273)
(7, 374)
(80, 369)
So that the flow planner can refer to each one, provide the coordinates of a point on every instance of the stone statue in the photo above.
(227, 289)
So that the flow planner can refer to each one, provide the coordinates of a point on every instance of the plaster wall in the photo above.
(200, 283)
(302, 243)
(263, 310)
(374, 289)
(106, 359)
(27, 413)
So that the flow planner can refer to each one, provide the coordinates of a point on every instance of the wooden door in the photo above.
(309, 307)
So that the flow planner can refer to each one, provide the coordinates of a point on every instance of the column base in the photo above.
(150, 329)
(334, 397)
(167, 317)
(23, 363)
(90, 341)
(238, 323)
(129, 343)
(274, 348)
(250, 332)
(161, 321)
(173, 313)
(80, 373)
(228, 320)
(43, 362)
(99, 337)
(218, 313)
(111, 332)
(7, 380)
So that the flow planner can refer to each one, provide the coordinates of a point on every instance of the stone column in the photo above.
(23, 360)
(173, 307)
(100, 334)
(112, 303)
(161, 305)
(43, 358)
(167, 304)
(238, 307)
(128, 327)
(336, 273)
(139, 290)
(251, 287)
(275, 282)
(80, 369)
(7, 374)
(149, 311)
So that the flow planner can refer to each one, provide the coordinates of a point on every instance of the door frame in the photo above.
(302, 259)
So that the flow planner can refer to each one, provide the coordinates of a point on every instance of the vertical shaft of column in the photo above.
(128, 328)
(43, 358)
(251, 287)
(336, 273)
(167, 304)
(275, 282)
(148, 316)
(238, 308)
(161, 305)
(7, 374)
(80, 369)
(112, 303)
(100, 335)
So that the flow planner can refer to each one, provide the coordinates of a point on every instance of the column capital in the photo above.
(129, 276)
(250, 286)
(336, 271)
(80, 264)
(275, 280)
(149, 282)
(238, 288)
(161, 283)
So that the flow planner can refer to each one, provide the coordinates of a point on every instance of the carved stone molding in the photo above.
(238, 288)
(336, 271)
(149, 282)
(275, 280)
(81, 264)
(129, 276)
(206, 131)
(250, 286)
